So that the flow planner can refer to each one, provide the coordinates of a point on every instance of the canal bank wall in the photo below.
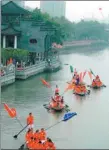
(23, 73)
(7, 79)
(7, 75)
(26, 72)
(84, 44)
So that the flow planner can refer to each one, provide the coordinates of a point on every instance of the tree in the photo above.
(67, 30)
(17, 54)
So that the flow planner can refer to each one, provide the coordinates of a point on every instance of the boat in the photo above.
(82, 93)
(56, 106)
(97, 87)
(39, 140)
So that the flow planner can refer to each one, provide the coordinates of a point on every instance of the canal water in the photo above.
(89, 129)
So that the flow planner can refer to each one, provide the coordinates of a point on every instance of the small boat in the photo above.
(82, 93)
(97, 86)
(57, 106)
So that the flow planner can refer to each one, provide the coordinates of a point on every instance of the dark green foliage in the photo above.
(66, 30)
(17, 54)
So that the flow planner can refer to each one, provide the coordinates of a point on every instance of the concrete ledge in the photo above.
(30, 71)
(7, 79)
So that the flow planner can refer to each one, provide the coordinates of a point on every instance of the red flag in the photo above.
(11, 111)
(69, 87)
(84, 74)
(80, 77)
(45, 83)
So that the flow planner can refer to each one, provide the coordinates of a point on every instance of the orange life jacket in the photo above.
(30, 144)
(46, 145)
(37, 135)
(51, 145)
(30, 120)
(42, 135)
(56, 90)
(27, 136)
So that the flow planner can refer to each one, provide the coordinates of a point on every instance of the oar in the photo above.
(19, 121)
(15, 136)
(66, 117)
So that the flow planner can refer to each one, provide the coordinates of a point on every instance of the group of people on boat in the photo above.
(57, 100)
(79, 87)
(38, 139)
(96, 82)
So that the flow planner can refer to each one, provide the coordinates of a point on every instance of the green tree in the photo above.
(67, 30)
(17, 54)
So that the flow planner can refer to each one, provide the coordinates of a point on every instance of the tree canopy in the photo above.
(17, 54)
(67, 30)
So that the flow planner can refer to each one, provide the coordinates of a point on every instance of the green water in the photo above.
(89, 129)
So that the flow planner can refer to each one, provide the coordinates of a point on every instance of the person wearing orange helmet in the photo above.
(56, 90)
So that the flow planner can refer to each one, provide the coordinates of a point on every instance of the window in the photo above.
(33, 41)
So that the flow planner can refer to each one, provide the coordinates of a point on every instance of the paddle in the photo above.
(66, 117)
(95, 76)
(15, 136)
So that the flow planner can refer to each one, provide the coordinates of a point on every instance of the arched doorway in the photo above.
(47, 45)
(47, 42)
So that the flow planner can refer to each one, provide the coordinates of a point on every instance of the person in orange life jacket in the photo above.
(30, 143)
(28, 135)
(93, 82)
(42, 135)
(37, 135)
(46, 143)
(30, 121)
(74, 77)
(62, 99)
(56, 90)
(58, 98)
(53, 100)
(51, 145)
(75, 74)
(97, 79)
